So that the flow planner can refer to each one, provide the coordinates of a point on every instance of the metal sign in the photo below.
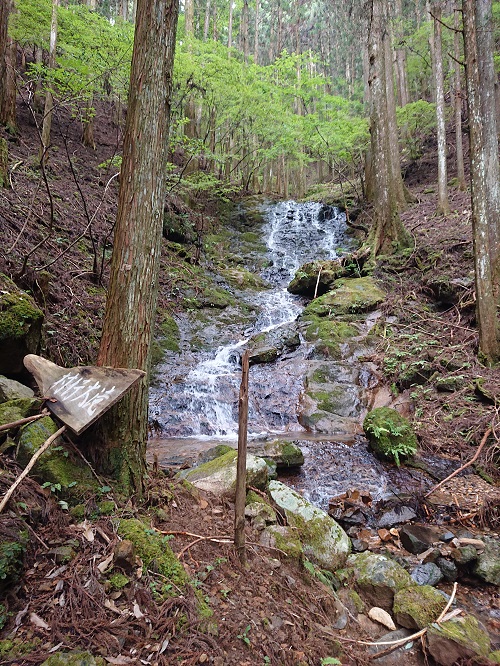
(79, 396)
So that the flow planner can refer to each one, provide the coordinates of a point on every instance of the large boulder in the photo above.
(323, 540)
(306, 278)
(283, 452)
(266, 347)
(20, 327)
(389, 434)
(418, 606)
(488, 562)
(219, 476)
(378, 578)
(348, 296)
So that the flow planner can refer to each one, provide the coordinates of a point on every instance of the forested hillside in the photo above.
(315, 186)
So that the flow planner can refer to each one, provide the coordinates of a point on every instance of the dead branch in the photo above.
(467, 464)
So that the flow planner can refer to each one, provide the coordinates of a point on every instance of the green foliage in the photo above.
(416, 122)
(390, 434)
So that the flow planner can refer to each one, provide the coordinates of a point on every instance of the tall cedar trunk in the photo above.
(190, 128)
(256, 36)
(443, 205)
(481, 113)
(132, 295)
(206, 25)
(401, 78)
(88, 124)
(49, 100)
(7, 69)
(458, 104)
(244, 44)
(432, 48)
(388, 232)
(230, 28)
(189, 17)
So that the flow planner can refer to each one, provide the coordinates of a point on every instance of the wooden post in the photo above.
(241, 470)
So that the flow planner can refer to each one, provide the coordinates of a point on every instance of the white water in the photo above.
(294, 234)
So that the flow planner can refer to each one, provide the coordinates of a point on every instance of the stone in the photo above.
(124, 554)
(487, 566)
(15, 410)
(418, 538)
(260, 514)
(20, 327)
(396, 516)
(427, 574)
(219, 476)
(213, 453)
(283, 452)
(464, 554)
(74, 658)
(408, 654)
(348, 296)
(460, 638)
(267, 346)
(12, 390)
(283, 538)
(378, 578)
(323, 540)
(389, 434)
(448, 568)
(306, 278)
(418, 606)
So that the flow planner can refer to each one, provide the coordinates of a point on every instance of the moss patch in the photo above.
(329, 335)
(418, 606)
(11, 559)
(14, 410)
(390, 435)
(19, 312)
(118, 581)
(169, 332)
(75, 658)
(348, 296)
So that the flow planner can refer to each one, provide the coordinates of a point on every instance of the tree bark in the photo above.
(481, 102)
(245, 47)
(230, 29)
(256, 36)
(7, 69)
(132, 296)
(48, 109)
(401, 78)
(443, 205)
(462, 185)
(388, 233)
(206, 25)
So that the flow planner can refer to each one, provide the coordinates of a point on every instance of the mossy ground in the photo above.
(390, 434)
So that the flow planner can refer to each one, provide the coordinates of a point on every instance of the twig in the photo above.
(467, 464)
(28, 419)
(28, 467)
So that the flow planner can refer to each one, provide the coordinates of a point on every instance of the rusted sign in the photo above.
(79, 396)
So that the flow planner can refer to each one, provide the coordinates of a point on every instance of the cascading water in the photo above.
(203, 404)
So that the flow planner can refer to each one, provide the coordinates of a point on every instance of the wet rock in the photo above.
(12, 390)
(219, 476)
(378, 578)
(306, 278)
(427, 574)
(389, 434)
(266, 347)
(448, 568)
(20, 327)
(488, 562)
(330, 336)
(418, 538)
(323, 540)
(348, 296)
(418, 606)
(396, 516)
(283, 452)
(460, 638)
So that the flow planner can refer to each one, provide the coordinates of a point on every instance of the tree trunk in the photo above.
(401, 78)
(443, 205)
(7, 70)
(49, 100)
(230, 28)
(206, 25)
(244, 31)
(432, 49)
(481, 103)
(88, 124)
(458, 105)
(132, 295)
(388, 232)
(189, 17)
(256, 36)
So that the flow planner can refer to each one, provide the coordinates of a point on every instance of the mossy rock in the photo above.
(219, 476)
(378, 578)
(285, 539)
(460, 638)
(12, 390)
(74, 658)
(488, 563)
(349, 295)
(154, 551)
(306, 281)
(215, 298)
(241, 278)
(323, 540)
(56, 466)
(329, 336)
(14, 410)
(20, 327)
(12, 649)
(169, 334)
(283, 452)
(389, 434)
(213, 453)
(418, 606)
(12, 558)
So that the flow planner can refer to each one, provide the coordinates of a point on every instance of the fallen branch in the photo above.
(28, 467)
(28, 419)
(467, 464)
